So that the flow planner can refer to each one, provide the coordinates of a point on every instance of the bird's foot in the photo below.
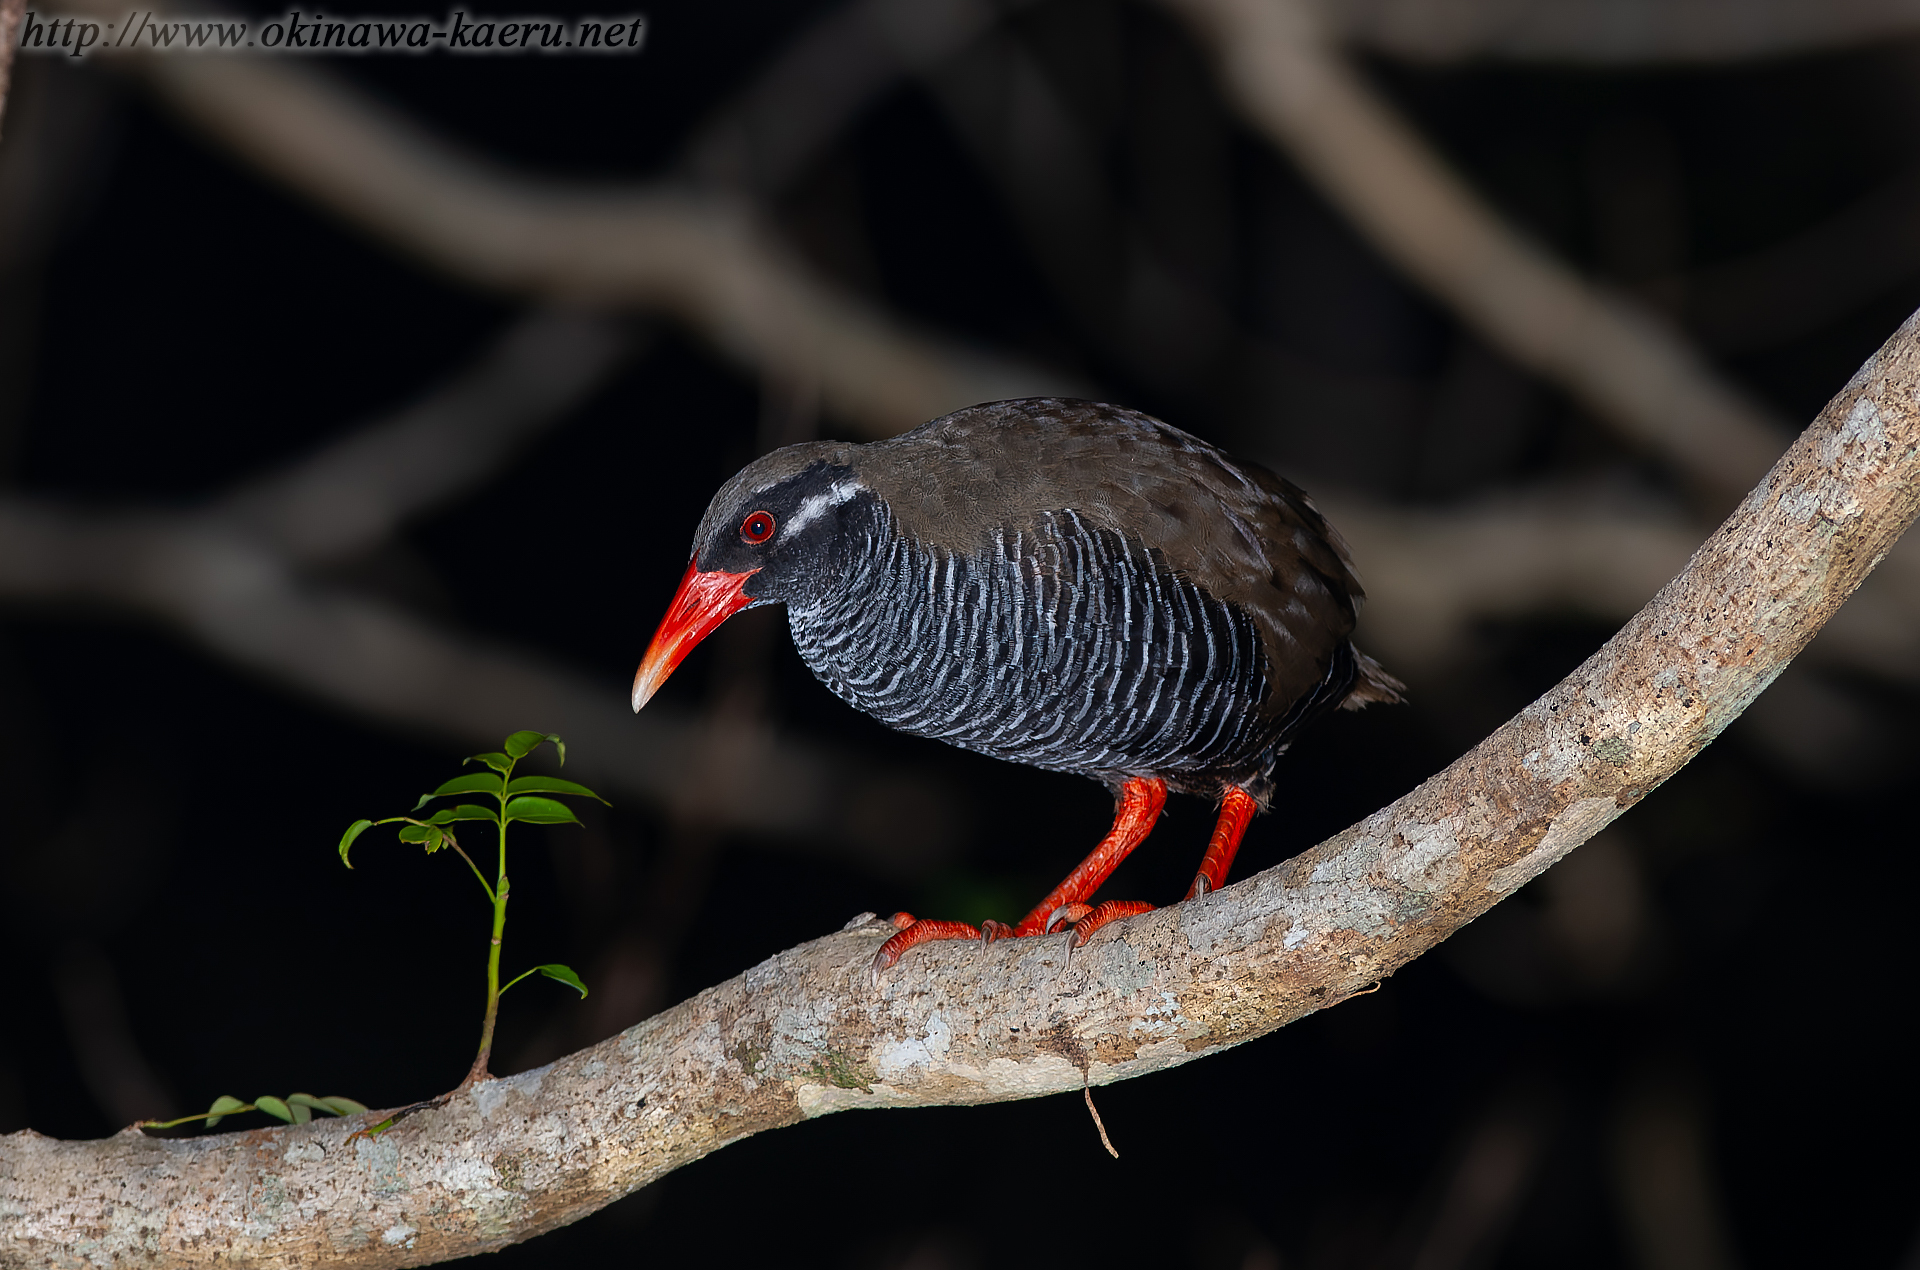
(1080, 920)
(1083, 920)
(911, 932)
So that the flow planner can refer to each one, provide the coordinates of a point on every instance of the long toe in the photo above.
(1100, 915)
(915, 934)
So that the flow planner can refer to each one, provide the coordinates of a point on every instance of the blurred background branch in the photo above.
(235, 594)
(1614, 32)
(1286, 74)
(11, 11)
(696, 254)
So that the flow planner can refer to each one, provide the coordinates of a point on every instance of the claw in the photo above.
(991, 930)
(1065, 916)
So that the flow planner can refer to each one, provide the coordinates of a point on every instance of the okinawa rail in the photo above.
(1071, 585)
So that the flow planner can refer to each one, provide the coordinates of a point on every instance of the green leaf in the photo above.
(521, 744)
(274, 1107)
(541, 811)
(354, 830)
(333, 1106)
(428, 836)
(549, 785)
(563, 974)
(465, 811)
(498, 762)
(301, 1112)
(471, 783)
(223, 1106)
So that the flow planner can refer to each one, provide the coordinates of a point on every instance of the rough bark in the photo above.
(804, 1034)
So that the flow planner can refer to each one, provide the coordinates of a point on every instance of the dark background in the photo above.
(1674, 1050)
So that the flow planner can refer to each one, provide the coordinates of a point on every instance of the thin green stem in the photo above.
(517, 978)
(450, 841)
(499, 893)
(481, 877)
(205, 1115)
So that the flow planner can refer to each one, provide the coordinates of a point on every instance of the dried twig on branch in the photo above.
(802, 1035)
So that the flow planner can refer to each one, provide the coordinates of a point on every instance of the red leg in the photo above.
(1140, 802)
(1236, 810)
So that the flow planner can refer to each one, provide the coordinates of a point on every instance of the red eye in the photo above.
(757, 528)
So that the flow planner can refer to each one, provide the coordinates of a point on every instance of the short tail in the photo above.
(1372, 685)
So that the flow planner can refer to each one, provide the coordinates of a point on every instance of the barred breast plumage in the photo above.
(1061, 583)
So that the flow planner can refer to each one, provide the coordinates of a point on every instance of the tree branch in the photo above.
(803, 1034)
(1623, 362)
(702, 257)
(798, 107)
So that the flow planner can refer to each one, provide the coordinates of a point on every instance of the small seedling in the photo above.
(294, 1109)
(523, 798)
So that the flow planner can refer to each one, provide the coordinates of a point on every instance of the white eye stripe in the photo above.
(816, 506)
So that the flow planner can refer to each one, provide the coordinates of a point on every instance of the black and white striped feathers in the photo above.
(1060, 583)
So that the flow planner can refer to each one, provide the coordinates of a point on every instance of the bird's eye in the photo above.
(757, 527)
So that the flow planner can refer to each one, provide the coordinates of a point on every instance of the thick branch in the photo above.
(803, 1034)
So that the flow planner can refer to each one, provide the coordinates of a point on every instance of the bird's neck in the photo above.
(849, 572)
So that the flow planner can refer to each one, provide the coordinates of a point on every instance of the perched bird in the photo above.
(1061, 583)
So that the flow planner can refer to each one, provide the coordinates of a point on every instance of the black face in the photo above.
(791, 535)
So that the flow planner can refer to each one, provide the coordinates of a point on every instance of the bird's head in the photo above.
(773, 533)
